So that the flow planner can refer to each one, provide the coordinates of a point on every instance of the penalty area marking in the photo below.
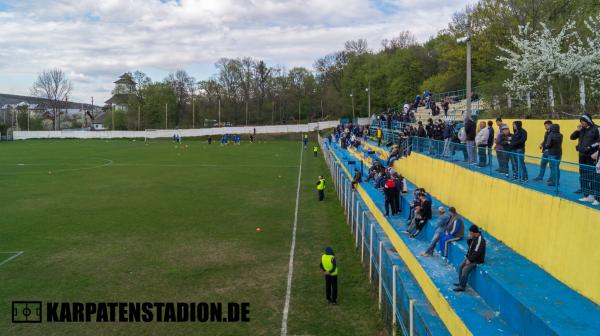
(288, 293)
(14, 255)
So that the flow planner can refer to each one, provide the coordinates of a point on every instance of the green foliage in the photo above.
(120, 123)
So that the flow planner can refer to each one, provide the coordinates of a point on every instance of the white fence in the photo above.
(275, 129)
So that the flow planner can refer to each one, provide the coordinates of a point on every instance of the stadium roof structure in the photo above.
(119, 98)
(125, 79)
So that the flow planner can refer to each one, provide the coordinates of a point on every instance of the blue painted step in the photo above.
(477, 315)
(532, 301)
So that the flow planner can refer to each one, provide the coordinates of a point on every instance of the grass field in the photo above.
(122, 220)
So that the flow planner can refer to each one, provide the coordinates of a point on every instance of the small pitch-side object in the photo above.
(258, 229)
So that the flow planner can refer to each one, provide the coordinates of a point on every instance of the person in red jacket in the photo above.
(389, 192)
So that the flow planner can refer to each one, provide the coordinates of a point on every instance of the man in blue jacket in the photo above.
(454, 231)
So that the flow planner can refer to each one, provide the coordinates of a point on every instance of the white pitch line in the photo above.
(16, 254)
(288, 293)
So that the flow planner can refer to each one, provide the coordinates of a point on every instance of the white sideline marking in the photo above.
(15, 254)
(288, 293)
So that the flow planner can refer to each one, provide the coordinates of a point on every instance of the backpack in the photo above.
(462, 135)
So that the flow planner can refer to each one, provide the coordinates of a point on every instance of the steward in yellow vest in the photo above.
(315, 150)
(321, 188)
(329, 268)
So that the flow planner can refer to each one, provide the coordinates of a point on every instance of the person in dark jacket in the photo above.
(490, 143)
(544, 162)
(475, 255)
(552, 148)
(471, 133)
(423, 216)
(587, 135)
(448, 134)
(517, 147)
(398, 181)
(357, 178)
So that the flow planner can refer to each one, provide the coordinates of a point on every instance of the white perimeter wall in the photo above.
(22, 135)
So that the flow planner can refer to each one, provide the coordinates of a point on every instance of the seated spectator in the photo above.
(442, 223)
(422, 216)
(475, 255)
(357, 178)
(454, 231)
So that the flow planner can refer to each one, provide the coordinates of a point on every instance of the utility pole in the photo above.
(112, 117)
(139, 124)
(166, 115)
(322, 111)
(469, 93)
(273, 113)
(298, 112)
(219, 112)
(193, 112)
(369, 97)
(352, 97)
(246, 112)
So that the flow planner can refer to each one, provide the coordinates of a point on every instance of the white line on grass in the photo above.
(15, 254)
(288, 293)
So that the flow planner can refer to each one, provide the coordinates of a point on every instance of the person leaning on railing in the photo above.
(587, 135)
(552, 148)
(544, 162)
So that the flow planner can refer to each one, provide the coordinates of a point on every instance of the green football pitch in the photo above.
(129, 221)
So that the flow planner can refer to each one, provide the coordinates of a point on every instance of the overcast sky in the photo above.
(96, 41)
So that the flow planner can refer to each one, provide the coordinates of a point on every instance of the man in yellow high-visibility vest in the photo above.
(379, 135)
(321, 188)
(329, 268)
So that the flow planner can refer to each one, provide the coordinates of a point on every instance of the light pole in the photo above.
(368, 89)
(467, 40)
(219, 112)
(352, 97)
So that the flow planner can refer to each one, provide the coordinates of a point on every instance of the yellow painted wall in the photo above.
(558, 235)
(449, 317)
(535, 135)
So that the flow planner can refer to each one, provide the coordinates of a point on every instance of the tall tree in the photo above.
(55, 86)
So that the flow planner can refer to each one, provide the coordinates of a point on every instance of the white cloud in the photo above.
(95, 41)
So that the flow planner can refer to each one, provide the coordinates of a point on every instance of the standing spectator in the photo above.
(481, 141)
(470, 130)
(553, 150)
(357, 178)
(544, 161)
(490, 143)
(500, 150)
(389, 191)
(448, 134)
(505, 139)
(454, 231)
(329, 267)
(475, 255)
(587, 135)
(442, 224)
(315, 151)
(379, 135)
(517, 144)
(446, 106)
(399, 182)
